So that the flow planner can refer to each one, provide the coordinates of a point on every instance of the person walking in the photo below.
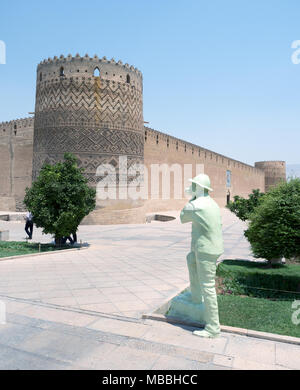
(29, 225)
(72, 240)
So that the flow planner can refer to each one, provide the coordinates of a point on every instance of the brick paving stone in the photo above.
(248, 364)
(260, 351)
(288, 355)
(177, 363)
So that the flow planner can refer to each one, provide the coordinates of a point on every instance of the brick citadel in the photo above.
(93, 108)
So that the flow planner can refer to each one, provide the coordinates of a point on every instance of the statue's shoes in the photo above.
(205, 333)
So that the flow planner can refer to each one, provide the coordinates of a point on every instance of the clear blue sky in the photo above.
(216, 73)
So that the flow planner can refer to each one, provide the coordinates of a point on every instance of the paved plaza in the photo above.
(82, 309)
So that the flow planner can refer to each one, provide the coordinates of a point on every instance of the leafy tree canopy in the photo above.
(242, 207)
(60, 197)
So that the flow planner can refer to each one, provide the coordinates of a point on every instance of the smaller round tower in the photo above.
(275, 171)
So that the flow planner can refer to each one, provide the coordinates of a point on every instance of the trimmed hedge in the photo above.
(251, 278)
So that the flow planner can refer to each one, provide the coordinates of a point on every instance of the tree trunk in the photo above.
(58, 241)
(276, 261)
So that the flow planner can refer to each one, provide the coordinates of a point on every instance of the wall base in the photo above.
(114, 217)
(7, 204)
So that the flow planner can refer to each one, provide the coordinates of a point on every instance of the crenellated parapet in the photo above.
(17, 124)
(56, 69)
(17, 128)
(197, 152)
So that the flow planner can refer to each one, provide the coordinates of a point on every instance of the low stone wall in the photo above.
(113, 217)
(13, 216)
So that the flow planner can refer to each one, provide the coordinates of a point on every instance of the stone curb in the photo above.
(41, 253)
(227, 329)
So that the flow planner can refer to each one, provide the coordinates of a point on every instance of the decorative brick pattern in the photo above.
(96, 118)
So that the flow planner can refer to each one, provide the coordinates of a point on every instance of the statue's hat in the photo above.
(202, 180)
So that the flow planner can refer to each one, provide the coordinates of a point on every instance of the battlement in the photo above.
(271, 164)
(205, 154)
(18, 124)
(86, 68)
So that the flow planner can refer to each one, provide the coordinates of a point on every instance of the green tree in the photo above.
(60, 198)
(274, 225)
(242, 207)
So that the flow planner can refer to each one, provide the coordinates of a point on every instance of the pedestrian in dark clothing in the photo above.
(74, 235)
(65, 239)
(72, 239)
(29, 225)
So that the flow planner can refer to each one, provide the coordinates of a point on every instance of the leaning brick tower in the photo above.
(92, 108)
(275, 171)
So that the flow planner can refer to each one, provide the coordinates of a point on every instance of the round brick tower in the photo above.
(92, 108)
(275, 171)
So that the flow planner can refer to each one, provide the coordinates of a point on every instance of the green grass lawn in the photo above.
(15, 248)
(259, 314)
(253, 296)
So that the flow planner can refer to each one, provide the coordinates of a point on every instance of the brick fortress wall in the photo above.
(161, 148)
(16, 142)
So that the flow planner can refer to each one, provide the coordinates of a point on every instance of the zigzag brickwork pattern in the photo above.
(104, 103)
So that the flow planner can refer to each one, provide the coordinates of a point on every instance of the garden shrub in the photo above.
(242, 207)
(274, 225)
(255, 279)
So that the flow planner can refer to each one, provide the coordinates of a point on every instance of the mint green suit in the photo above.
(206, 247)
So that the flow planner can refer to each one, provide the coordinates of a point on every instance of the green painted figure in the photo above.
(206, 247)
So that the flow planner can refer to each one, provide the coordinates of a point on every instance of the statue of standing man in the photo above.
(206, 247)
